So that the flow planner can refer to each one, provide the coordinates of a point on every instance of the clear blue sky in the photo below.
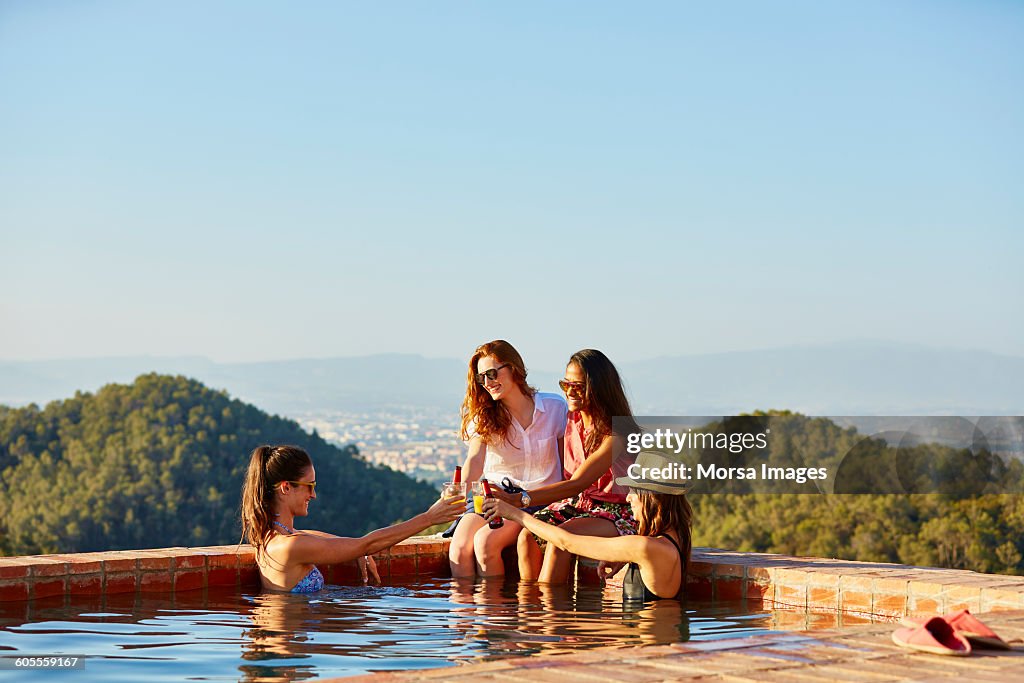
(261, 180)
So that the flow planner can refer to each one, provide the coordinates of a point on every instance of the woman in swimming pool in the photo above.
(658, 554)
(279, 484)
(514, 433)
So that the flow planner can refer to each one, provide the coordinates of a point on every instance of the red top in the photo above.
(604, 489)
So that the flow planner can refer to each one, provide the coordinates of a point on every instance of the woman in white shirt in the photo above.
(515, 433)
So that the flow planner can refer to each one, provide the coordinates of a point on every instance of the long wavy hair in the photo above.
(479, 411)
(603, 397)
(662, 512)
(268, 467)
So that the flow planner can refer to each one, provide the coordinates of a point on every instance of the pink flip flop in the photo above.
(934, 636)
(967, 625)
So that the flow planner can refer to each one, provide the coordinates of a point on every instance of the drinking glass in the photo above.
(457, 491)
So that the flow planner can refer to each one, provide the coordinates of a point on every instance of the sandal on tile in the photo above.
(968, 626)
(934, 636)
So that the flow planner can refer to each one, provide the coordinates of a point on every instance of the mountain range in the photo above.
(856, 378)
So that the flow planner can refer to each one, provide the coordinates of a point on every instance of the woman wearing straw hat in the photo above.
(658, 554)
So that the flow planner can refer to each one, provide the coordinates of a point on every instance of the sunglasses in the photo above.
(574, 387)
(310, 484)
(491, 374)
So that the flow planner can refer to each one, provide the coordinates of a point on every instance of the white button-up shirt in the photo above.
(529, 457)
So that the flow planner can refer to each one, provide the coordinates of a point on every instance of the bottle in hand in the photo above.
(497, 522)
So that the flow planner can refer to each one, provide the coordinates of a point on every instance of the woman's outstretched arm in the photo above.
(616, 549)
(590, 471)
(322, 548)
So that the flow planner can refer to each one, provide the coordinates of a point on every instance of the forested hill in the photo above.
(160, 462)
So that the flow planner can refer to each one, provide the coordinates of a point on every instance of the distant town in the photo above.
(421, 442)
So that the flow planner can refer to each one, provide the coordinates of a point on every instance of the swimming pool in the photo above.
(226, 636)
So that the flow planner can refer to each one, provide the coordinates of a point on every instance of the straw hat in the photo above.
(657, 473)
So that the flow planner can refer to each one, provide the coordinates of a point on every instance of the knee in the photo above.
(487, 548)
(461, 549)
(525, 542)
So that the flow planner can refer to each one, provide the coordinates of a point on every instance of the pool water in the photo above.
(345, 631)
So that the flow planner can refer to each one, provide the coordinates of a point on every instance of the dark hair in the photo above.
(268, 467)
(489, 419)
(603, 397)
(663, 512)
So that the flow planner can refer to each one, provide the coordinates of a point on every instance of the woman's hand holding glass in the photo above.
(447, 508)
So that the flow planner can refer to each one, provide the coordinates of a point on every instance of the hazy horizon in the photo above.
(836, 345)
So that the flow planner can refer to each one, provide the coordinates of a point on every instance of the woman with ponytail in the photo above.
(279, 484)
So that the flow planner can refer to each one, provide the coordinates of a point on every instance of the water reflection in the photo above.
(525, 617)
(348, 631)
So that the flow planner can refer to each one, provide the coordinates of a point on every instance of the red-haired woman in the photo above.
(514, 433)
(279, 485)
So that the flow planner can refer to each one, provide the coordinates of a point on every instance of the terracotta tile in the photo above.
(48, 567)
(402, 565)
(818, 621)
(700, 569)
(11, 591)
(789, 620)
(925, 597)
(43, 588)
(822, 598)
(14, 569)
(120, 582)
(995, 598)
(82, 563)
(154, 561)
(222, 576)
(729, 589)
(222, 560)
(735, 571)
(962, 598)
(433, 547)
(792, 578)
(248, 577)
(889, 605)
(433, 566)
(698, 587)
(195, 561)
(795, 596)
(403, 550)
(155, 582)
(117, 563)
(189, 580)
(762, 574)
(88, 584)
(755, 590)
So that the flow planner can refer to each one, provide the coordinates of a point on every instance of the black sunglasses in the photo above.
(491, 374)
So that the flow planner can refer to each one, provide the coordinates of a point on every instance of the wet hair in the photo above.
(664, 512)
(268, 467)
(479, 411)
(603, 397)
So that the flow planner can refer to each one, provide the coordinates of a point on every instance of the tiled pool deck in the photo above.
(811, 591)
(859, 653)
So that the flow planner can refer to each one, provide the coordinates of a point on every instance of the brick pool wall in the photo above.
(777, 581)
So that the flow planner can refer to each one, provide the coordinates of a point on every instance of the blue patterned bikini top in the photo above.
(311, 583)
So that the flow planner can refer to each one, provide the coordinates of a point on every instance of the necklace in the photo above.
(291, 531)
